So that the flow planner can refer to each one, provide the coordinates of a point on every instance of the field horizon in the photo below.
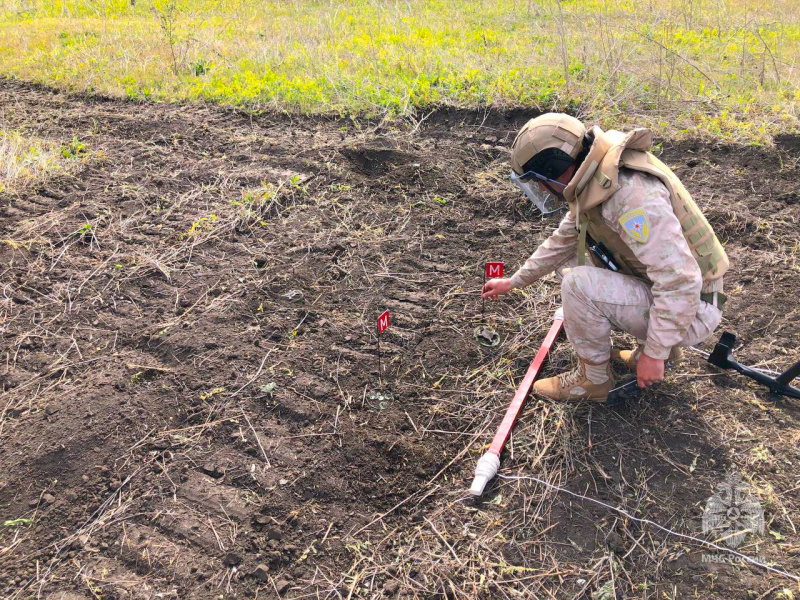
(685, 69)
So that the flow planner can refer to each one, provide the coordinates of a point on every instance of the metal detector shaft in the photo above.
(490, 462)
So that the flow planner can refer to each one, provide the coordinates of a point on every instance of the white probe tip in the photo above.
(478, 485)
(486, 469)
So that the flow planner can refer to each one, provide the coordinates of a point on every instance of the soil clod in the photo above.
(282, 586)
(213, 470)
(614, 543)
(261, 573)
(232, 559)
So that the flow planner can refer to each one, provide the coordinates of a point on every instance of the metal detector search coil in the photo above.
(722, 357)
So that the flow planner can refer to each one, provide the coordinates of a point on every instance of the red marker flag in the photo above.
(494, 269)
(383, 322)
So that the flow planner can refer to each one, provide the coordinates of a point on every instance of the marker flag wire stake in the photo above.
(491, 270)
(489, 463)
(382, 325)
(625, 513)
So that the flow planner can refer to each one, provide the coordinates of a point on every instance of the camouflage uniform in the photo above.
(670, 313)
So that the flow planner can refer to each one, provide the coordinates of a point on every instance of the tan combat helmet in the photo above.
(542, 151)
(551, 130)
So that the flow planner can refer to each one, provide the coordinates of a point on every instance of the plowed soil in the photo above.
(191, 404)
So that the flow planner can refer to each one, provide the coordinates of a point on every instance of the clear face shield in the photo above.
(544, 200)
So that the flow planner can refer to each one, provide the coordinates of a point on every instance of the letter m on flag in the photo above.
(383, 322)
(494, 269)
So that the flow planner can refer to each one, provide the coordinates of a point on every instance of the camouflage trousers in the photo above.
(596, 300)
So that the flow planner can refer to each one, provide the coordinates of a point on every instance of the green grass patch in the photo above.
(728, 71)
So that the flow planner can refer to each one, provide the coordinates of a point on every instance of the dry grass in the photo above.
(24, 160)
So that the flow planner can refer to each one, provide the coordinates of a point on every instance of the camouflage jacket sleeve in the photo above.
(664, 253)
(561, 246)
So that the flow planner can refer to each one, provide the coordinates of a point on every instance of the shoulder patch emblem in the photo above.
(636, 224)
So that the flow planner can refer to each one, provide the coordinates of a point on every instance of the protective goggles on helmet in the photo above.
(546, 202)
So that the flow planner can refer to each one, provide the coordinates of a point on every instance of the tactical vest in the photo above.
(597, 180)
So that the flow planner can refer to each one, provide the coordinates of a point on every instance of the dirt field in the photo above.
(199, 256)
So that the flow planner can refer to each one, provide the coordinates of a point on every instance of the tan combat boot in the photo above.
(574, 385)
(631, 357)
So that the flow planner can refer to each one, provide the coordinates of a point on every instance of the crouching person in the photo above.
(665, 287)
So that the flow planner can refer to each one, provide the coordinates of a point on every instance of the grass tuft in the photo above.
(25, 160)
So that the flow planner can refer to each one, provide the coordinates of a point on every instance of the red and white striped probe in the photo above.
(489, 463)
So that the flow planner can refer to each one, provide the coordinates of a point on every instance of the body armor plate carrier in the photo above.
(597, 179)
